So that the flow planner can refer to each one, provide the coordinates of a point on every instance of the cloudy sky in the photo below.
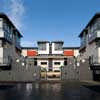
(50, 19)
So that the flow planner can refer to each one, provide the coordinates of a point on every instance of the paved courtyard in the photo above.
(50, 91)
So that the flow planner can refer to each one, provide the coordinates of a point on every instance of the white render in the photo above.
(24, 52)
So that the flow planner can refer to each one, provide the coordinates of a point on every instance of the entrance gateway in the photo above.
(67, 72)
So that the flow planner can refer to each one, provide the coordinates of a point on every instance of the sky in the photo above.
(50, 19)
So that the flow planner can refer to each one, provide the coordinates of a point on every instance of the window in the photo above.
(43, 63)
(35, 61)
(42, 46)
(0, 43)
(83, 39)
(97, 43)
(65, 61)
(0, 23)
(58, 46)
(57, 63)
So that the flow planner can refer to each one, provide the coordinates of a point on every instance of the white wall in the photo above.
(24, 52)
(56, 51)
(76, 52)
(44, 51)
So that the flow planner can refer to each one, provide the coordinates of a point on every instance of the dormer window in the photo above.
(58, 46)
(42, 46)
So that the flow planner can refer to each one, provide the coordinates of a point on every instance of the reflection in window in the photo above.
(42, 46)
(58, 46)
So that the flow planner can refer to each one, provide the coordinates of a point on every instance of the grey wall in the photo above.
(85, 73)
(26, 73)
(71, 71)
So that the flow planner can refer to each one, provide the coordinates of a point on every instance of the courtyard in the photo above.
(69, 90)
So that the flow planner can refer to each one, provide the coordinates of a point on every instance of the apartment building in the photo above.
(10, 48)
(50, 55)
(90, 40)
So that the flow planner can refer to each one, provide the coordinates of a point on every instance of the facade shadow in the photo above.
(95, 88)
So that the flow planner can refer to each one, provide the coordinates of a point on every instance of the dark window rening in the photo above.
(65, 61)
(43, 63)
(57, 63)
(35, 62)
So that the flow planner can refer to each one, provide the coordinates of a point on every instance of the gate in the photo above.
(70, 71)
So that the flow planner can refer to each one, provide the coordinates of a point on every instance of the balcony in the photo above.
(94, 63)
(5, 63)
(94, 36)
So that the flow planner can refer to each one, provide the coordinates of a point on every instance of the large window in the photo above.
(17, 39)
(8, 29)
(95, 26)
(42, 46)
(83, 39)
(58, 46)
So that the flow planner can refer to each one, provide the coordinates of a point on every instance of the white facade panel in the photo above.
(76, 53)
(24, 52)
(56, 51)
(44, 51)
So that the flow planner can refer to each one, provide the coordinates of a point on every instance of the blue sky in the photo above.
(52, 19)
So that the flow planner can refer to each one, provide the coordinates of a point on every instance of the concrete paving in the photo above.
(69, 90)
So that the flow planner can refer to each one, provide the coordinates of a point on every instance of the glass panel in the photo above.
(58, 46)
(42, 46)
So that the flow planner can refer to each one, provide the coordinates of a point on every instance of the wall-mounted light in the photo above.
(17, 60)
(23, 64)
(83, 60)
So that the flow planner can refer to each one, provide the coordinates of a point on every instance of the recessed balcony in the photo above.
(94, 36)
(5, 63)
(94, 63)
